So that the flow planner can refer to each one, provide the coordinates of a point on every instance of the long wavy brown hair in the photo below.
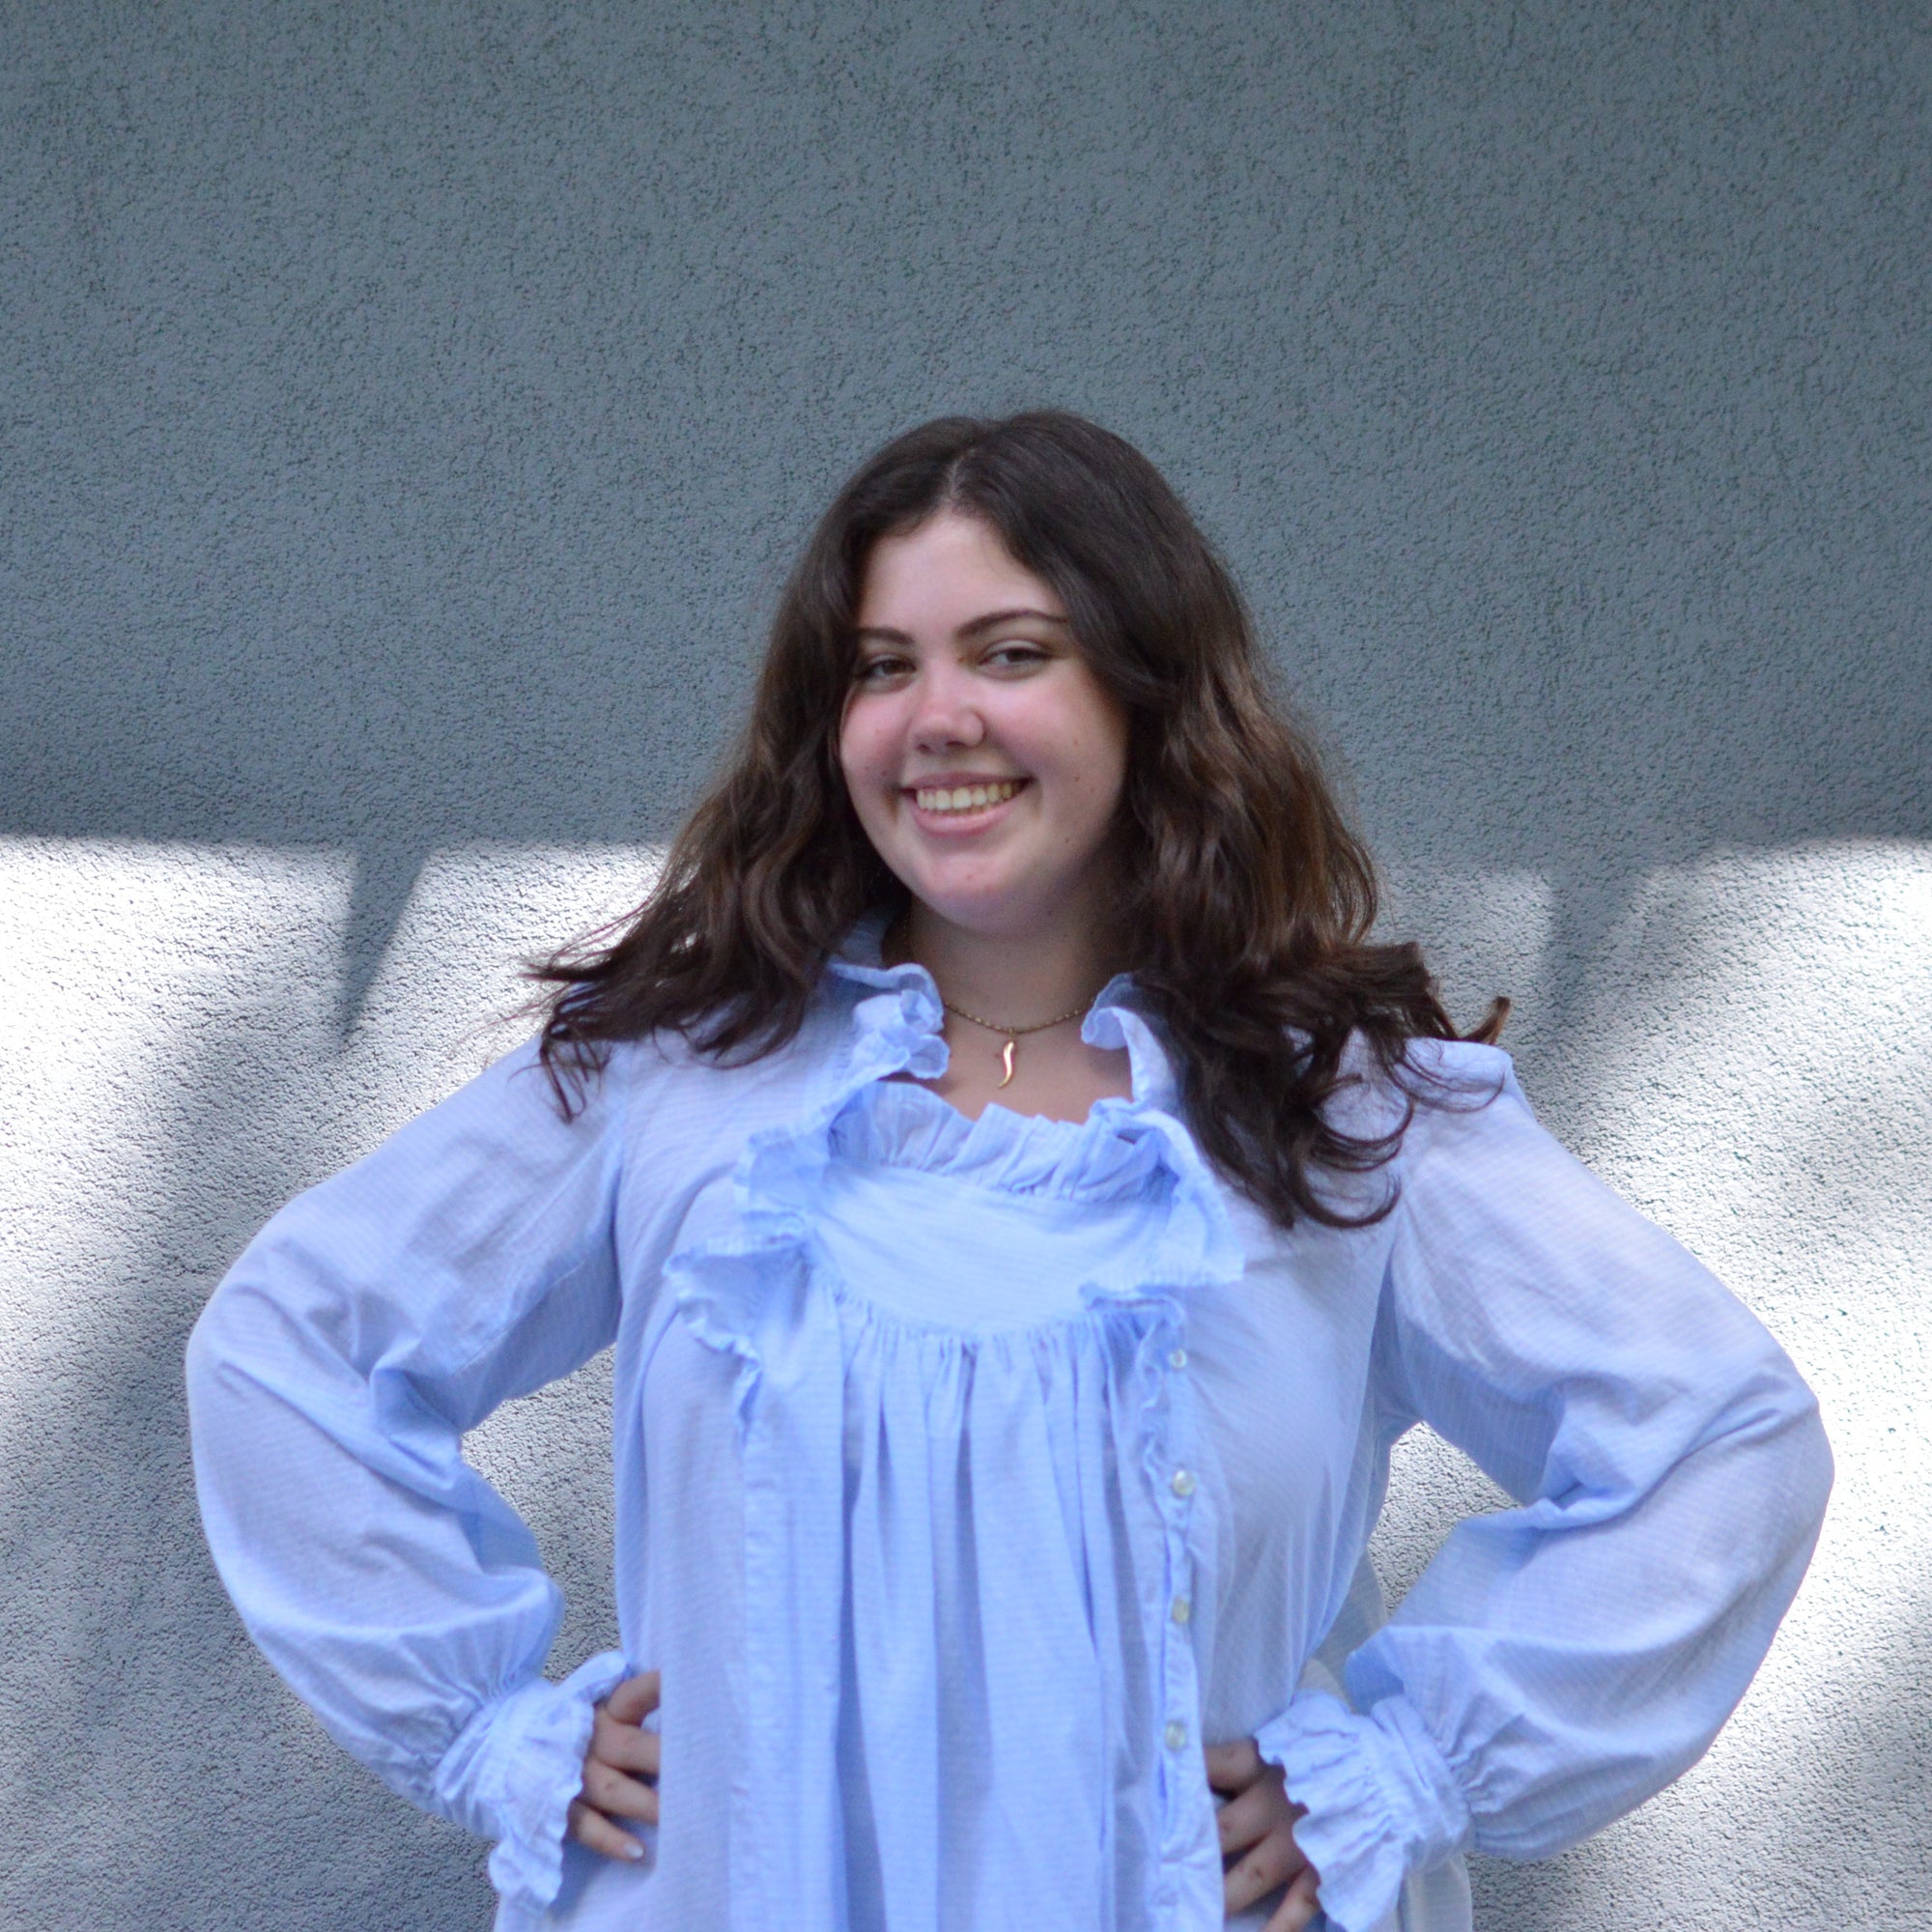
(1248, 902)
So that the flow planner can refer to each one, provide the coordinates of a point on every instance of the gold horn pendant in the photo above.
(1006, 1061)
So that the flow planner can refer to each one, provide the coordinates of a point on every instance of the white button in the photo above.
(1175, 1737)
(1183, 1609)
(1179, 1359)
(1182, 1483)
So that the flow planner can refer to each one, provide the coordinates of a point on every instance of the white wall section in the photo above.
(1753, 1071)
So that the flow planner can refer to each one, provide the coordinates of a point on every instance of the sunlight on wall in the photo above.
(1751, 1068)
(1759, 1079)
(125, 971)
(163, 1007)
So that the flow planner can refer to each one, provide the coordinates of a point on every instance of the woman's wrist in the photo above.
(516, 1768)
(1377, 1797)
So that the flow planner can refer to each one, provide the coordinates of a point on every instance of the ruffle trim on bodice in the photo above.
(907, 1126)
(1132, 1148)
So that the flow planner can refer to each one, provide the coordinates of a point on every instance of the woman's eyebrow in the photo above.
(884, 635)
(996, 617)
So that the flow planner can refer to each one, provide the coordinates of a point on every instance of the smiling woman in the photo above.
(985, 763)
(984, 758)
(1027, 1205)
(1181, 824)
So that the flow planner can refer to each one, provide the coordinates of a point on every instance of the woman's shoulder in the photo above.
(1428, 1086)
(1454, 1071)
(1414, 1106)
(645, 1086)
(668, 1067)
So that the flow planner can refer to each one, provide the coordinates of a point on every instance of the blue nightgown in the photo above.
(972, 1475)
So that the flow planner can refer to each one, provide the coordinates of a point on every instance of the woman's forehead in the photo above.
(945, 573)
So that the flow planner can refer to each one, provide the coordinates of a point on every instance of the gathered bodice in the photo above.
(963, 1412)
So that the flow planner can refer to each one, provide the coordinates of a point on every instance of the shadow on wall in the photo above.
(408, 422)
(155, 1771)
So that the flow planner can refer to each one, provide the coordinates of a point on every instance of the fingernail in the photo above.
(634, 1850)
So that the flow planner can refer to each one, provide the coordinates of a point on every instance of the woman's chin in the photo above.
(1007, 916)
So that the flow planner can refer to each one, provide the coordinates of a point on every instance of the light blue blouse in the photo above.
(971, 1474)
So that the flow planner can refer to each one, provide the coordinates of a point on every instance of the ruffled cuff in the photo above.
(1381, 1800)
(513, 1771)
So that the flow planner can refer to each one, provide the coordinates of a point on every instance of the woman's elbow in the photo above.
(1812, 1467)
(1783, 1457)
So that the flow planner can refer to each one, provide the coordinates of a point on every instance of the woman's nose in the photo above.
(947, 717)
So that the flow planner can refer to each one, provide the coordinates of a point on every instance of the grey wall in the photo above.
(405, 413)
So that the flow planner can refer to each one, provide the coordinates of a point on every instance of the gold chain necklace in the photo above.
(898, 943)
(1015, 1034)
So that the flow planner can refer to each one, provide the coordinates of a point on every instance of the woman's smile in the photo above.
(962, 803)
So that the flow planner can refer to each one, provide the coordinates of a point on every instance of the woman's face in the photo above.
(983, 757)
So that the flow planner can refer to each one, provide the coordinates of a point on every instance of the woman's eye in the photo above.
(875, 671)
(1015, 656)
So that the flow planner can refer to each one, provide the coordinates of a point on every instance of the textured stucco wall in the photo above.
(404, 414)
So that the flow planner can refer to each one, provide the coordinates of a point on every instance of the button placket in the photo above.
(1178, 1678)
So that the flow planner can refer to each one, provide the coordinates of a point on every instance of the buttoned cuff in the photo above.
(514, 1770)
(1381, 1800)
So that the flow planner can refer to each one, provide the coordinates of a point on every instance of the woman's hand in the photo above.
(1258, 1837)
(621, 1757)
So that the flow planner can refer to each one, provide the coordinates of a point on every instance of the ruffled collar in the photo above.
(901, 1124)
(902, 1021)
(1128, 1147)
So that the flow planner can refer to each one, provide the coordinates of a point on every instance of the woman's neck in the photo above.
(1017, 981)
(1037, 986)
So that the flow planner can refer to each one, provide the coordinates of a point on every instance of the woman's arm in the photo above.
(1559, 1662)
(330, 1378)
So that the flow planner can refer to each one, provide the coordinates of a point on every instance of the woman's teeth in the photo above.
(964, 798)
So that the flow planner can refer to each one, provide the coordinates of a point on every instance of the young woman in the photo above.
(1026, 1207)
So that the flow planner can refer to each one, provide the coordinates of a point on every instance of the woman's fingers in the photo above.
(1233, 1766)
(1299, 1904)
(633, 1699)
(621, 1756)
(625, 1744)
(618, 1795)
(1248, 1819)
(1264, 1866)
(591, 1828)
(1257, 1830)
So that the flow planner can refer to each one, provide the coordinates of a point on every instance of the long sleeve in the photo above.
(1561, 1661)
(469, 1258)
